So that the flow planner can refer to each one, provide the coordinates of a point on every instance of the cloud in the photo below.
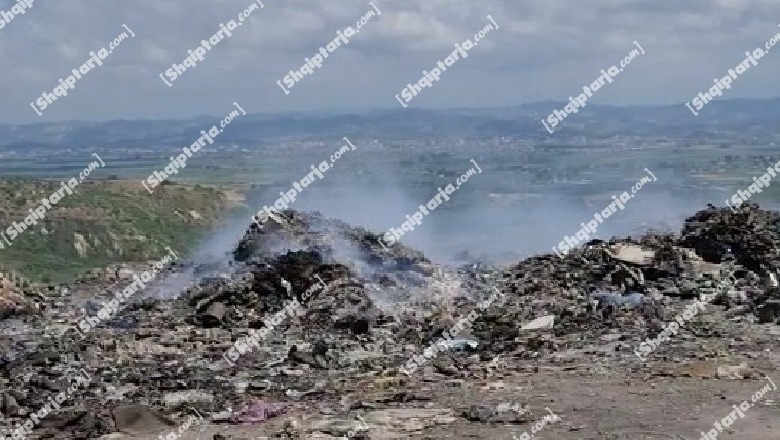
(545, 49)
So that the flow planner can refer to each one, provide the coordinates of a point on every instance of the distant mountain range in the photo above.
(749, 117)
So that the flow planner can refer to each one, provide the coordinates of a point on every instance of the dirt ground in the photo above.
(592, 403)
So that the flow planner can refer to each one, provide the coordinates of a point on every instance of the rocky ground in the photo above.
(548, 348)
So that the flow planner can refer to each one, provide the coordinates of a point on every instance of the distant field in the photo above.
(102, 223)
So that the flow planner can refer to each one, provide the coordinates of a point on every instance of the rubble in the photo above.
(540, 323)
(366, 310)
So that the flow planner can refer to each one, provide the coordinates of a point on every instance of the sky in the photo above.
(542, 50)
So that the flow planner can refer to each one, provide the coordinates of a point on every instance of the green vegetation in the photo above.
(102, 223)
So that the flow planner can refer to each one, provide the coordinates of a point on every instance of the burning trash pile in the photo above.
(318, 317)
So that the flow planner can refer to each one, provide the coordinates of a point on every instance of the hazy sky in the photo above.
(544, 50)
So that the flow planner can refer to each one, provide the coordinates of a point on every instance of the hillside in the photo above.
(102, 223)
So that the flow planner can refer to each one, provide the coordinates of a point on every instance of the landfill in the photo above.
(355, 312)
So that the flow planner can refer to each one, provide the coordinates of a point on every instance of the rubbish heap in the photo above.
(363, 312)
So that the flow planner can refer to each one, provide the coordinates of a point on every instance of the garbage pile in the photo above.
(749, 235)
(362, 311)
